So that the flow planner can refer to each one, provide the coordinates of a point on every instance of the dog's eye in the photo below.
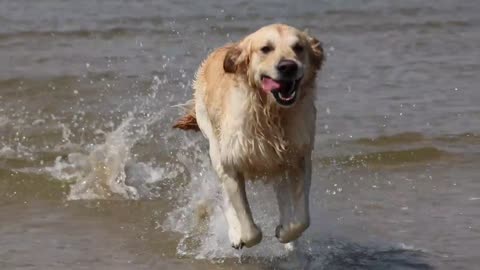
(298, 48)
(266, 49)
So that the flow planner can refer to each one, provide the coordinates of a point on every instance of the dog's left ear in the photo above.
(317, 52)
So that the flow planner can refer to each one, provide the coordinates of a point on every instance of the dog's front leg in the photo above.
(293, 201)
(242, 229)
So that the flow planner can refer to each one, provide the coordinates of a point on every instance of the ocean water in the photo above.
(93, 177)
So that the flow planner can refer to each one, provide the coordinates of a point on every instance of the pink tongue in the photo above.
(268, 85)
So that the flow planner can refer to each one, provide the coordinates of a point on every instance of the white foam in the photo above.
(38, 122)
(69, 169)
(16, 151)
(7, 152)
(411, 248)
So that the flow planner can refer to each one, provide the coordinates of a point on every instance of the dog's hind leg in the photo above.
(293, 202)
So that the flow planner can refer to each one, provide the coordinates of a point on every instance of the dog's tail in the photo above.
(189, 120)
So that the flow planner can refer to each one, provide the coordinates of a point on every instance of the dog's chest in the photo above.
(252, 142)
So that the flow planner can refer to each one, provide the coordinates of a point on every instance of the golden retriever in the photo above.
(254, 102)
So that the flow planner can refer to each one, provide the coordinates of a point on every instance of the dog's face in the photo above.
(278, 60)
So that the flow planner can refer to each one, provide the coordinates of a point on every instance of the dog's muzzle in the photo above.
(284, 91)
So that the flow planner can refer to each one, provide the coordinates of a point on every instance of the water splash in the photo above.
(198, 215)
(101, 172)
(7, 152)
(104, 174)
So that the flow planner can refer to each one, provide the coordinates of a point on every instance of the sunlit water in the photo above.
(93, 177)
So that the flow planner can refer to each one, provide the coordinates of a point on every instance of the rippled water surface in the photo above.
(93, 177)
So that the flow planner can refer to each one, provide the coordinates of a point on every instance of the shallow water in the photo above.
(93, 177)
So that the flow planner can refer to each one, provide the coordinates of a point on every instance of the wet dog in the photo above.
(254, 102)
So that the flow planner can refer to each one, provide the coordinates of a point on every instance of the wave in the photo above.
(470, 138)
(387, 26)
(408, 138)
(24, 185)
(400, 138)
(64, 78)
(405, 148)
(388, 158)
(82, 33)
(13, 85)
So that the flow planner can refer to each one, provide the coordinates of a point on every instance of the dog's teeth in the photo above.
(288, 97)
(293, 87)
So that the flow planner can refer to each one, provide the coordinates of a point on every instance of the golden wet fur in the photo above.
(256, 127)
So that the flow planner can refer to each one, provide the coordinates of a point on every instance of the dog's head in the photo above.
(278, 60)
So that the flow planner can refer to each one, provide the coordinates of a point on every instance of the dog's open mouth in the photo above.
(284, 91)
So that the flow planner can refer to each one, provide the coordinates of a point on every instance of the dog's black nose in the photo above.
(287, 68)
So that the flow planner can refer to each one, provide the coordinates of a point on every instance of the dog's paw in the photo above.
(238, 245)
(292, 231)
(249, 239)
(253, 237)
(235, 238)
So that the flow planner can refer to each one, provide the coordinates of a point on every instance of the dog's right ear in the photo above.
(237, 57)
(232, 59)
